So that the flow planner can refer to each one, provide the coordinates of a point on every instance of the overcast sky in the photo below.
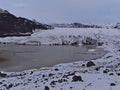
(51, 11)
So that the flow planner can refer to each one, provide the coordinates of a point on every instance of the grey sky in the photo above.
(51, 11)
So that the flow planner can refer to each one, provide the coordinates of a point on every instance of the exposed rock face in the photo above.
(11, 25)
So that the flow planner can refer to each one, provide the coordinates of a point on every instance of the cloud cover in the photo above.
(50, 11)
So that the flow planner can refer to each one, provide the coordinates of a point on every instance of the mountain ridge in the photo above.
(10, 25)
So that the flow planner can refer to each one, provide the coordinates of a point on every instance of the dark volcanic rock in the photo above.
(90, 64)
(11, 25)
(3, 75)
(46, 88)
(76, 78)
(112, 84)
(9, 86)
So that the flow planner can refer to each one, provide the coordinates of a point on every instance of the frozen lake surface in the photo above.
(24, 57)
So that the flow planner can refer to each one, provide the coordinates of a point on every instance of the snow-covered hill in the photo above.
(99, 74)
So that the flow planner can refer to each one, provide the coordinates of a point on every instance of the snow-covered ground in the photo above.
(99, 74)
(59, 35)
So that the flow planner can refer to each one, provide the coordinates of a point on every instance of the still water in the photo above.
(24, 57)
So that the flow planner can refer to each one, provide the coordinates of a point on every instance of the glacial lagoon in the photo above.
(25, 57)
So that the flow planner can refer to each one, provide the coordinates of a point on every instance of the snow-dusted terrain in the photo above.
(99, 74)
(66, 35)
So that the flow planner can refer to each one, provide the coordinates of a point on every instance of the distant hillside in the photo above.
(76, 25)
(81, 25)
(10, 25)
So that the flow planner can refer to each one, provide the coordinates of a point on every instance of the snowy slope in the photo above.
(57, 35)
(103, 74)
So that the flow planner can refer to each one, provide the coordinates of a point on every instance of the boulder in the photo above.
(90, 64)
(76, 78)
